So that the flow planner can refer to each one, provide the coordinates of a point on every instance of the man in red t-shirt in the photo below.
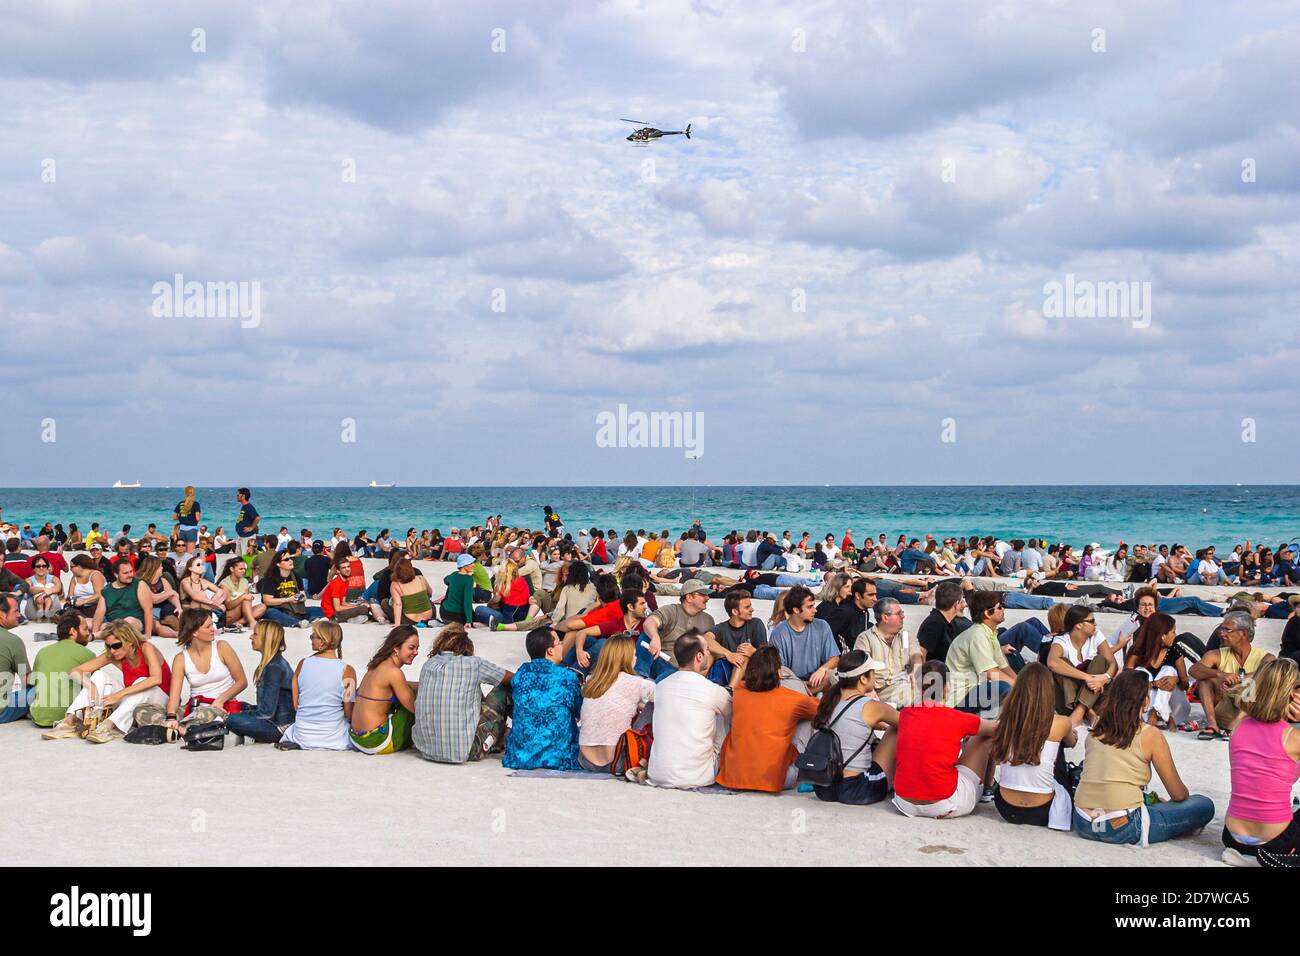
(936, 776)
(333, 600)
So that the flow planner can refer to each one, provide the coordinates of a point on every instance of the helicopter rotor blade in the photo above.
(637, 122)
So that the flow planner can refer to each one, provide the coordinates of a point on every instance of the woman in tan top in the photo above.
(1110, 804)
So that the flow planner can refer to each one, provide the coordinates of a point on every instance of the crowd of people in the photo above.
(831, 693)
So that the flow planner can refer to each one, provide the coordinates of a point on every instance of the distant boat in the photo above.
(375, 484)
(118, 484)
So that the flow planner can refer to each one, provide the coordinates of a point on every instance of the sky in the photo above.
(461, 264)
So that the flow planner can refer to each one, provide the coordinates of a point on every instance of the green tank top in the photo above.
(122, 602)
(416, 603)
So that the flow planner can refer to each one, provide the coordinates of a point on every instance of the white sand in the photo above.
(70, 802)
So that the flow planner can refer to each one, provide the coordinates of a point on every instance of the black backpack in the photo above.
(822, 761)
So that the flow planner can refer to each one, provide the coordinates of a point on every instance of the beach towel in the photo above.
(392, 735)
(570, 774)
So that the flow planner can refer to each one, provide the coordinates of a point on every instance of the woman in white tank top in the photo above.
(323, 687)
(209, 667)
(1028, 741)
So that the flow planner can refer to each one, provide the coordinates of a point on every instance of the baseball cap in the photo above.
(462, 560)
(96, 545)
(694, 587)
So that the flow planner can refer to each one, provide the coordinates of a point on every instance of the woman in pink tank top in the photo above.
(1264, 752)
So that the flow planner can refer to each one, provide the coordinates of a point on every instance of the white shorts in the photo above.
(960, 804)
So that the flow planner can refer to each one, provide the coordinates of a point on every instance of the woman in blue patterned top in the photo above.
(547, 702)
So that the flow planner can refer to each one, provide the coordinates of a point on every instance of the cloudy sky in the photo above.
(844, 265)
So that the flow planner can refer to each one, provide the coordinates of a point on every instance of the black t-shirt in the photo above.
(317, 571)
(752, 632)
(936, 634)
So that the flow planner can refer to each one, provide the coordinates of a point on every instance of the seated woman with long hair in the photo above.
(614, 699)
(850, 708)
(324, 688)
(1082, 662)
(759, 751)
(198, 592)
(206, 671)
(1110, 803)
(273, 713)
(1264, 754)
(409, 595)
(129, 673)
(513, 599)
(1033, 784)
(385, 704)
(240, 609)
(1155, 652)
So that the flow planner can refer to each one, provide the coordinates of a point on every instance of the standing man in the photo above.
(247, 521)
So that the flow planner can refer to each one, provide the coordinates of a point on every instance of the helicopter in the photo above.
(646, 133)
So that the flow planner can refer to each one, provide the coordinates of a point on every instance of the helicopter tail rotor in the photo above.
(688, 130)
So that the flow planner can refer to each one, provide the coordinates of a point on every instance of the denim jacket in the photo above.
(275, 693)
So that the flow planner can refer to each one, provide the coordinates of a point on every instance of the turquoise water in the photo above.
(1196, 515)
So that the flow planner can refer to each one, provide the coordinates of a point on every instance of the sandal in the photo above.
(1224, 734)
(1207, 734)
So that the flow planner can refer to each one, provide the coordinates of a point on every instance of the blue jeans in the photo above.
(654, 668)
(1027, 602)
(259, 728)
(765, 592)
(1168, 820)
(772, 562)
(19, 701)
(985, 699)
(1028, 634)
(505, 614)
(371, 593)
(1188, 605)
(188, 534)
(288, 620)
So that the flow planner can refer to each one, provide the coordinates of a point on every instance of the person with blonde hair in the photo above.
(1264, 756)
(129, 673)
(614, 699)
(323, 689)
(187, 515)
(512, 597)
(455, 721)
(267, 721)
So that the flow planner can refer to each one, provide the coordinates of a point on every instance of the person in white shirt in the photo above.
(692, 716)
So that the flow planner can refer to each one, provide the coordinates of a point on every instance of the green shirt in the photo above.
(52, 689)
(13, 663)
(481, 578)
(975, 651)
(460, 595)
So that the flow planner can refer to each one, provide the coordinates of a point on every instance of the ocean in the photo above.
(1196, 515)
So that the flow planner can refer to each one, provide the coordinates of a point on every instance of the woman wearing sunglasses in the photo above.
(45, 592)
(144, 677)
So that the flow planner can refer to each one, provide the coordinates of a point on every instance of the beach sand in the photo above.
(73, 803)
